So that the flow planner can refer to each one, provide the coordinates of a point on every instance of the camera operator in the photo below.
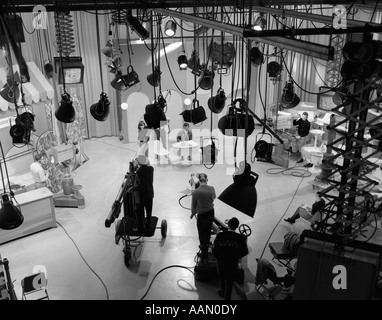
(202, 204)
(143, 192)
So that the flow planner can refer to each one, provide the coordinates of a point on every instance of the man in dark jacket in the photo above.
(144, 192)
(229, 247)
(303, 128)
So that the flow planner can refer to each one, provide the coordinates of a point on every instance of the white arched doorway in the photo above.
(174, 108)
(137, 102)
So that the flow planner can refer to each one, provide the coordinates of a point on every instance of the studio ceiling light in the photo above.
(118, 82)
(257, 57)
(206, 81)
(182, 61)
(154, 78)
(289, 98)
(101, 110)
(194, 63)
(241, 194)
(66, 112)
(274, 69)
(260, 22)
(170, 28)
(48, 69)
(108, 49)
(10, 215)
(217, 103)
(137, 26)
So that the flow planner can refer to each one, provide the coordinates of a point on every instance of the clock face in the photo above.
(72, 75)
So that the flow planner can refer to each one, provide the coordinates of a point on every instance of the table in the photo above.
(312, 155)
(316, 133)
(185, 149)
(38, 211)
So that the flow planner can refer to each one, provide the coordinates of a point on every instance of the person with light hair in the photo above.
(40, 176)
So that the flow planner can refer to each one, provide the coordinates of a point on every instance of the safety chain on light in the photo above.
(350, 203)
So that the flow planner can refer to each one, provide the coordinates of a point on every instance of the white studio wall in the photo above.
(174, 108)
(137, 102)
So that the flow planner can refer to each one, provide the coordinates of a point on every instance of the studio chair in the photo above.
(282, 254)
(35, 286)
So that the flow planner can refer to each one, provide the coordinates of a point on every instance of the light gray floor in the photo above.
(71, 278)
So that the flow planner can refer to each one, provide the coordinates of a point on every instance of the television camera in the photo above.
(127, 226)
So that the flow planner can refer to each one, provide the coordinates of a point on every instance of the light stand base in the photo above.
(62, 200)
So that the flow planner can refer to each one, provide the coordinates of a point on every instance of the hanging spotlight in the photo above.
(233, 123)
(206, 81)
(9, 92)
(136, 25)
(170, 28)
(66, 112)
(154, 78)
(124, 105)
(256, 56)
(10, 215)
(194, 64)
(21, 130)
(274, 69)
(355, 70)
(154, 113)
(342, 96)
(242, 194)
(289, 99)
(182, 61)
(48, 69)
(100, 110)
(108, 49)
(217, 103)
(187, 101)
(131, 78)
(118, 82)
(260, 22)
(17, 132)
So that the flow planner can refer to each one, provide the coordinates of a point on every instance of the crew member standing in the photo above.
(228, 248)
(39, 175)
(143, 193)
(303, 128)
(202, 204)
